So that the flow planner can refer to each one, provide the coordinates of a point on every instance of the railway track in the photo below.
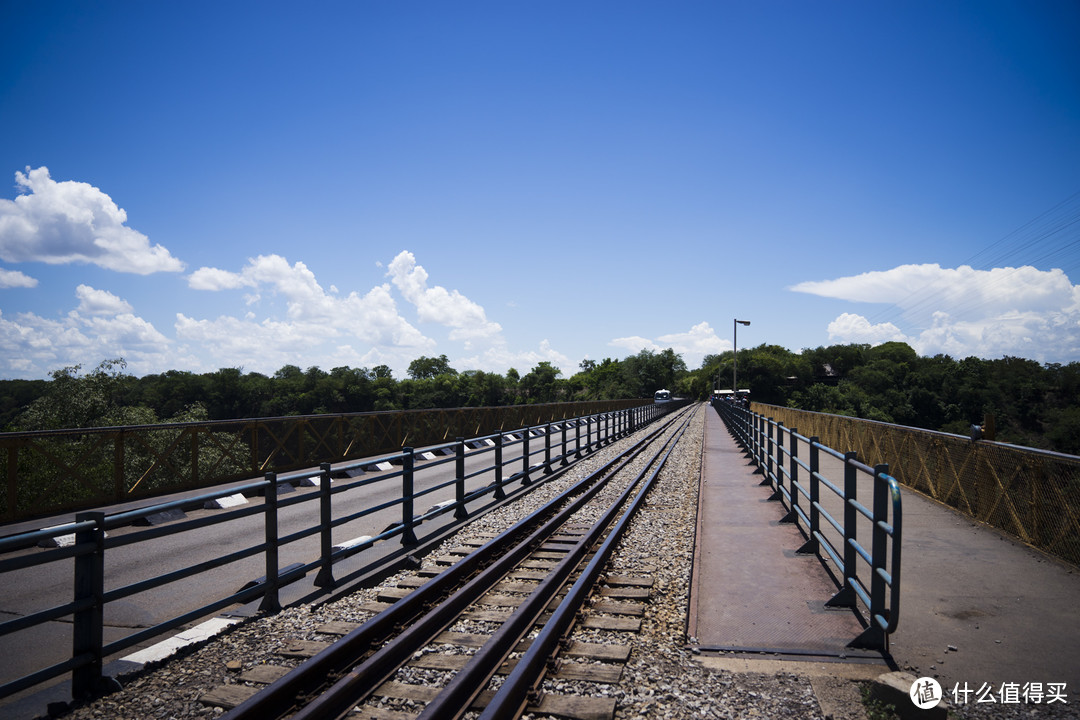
(477, 632)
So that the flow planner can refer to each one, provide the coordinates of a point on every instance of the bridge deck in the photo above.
(752, 593)
(976, 606)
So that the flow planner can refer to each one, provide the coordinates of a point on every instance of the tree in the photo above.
(539, 384)
(425, 367)
(73, 400)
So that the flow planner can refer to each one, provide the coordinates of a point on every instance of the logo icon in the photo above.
(925, 693)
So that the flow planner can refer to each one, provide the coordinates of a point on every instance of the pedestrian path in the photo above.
(752, 592)
(978, 610)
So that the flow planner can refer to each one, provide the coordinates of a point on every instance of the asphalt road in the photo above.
(34, 589)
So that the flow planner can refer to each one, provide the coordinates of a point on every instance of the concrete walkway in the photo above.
(976, 607)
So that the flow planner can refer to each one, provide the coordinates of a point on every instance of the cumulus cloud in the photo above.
(634, 343)
(356, 324)
(961, 311)
(699, 341)
(439, 305)
(16, 279)
(207, 278)
(857, 329)
(101, 326)
(74, 222)
(99, 302)
(693, 345)
(498, 358)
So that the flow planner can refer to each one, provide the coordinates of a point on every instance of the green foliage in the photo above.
(875, 708)
(1032, 404)
(425, 368)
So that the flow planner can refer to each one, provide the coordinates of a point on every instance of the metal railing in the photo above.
(831, 522)
(545, 449)
(1032, 494)
(50, 471)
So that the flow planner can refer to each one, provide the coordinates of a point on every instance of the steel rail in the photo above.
(458, 696)
(362, 681)
(278, 699)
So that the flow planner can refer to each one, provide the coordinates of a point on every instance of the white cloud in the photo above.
(364, 329)
(207, 278)
(635, 344)
(852, 328)
(961, 311)
(101, 326)
(924, 289)
(693, 345)
(499, 358)
(699, 341)
(74, 222)
(99, 302)
(439, 305)
(16, 279)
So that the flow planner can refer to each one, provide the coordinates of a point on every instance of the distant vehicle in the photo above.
(742, 397)
(662, 396)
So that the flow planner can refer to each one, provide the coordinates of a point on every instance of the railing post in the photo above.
(767, 452)
(88, 626)
(846, 596)
(270, 602)
(408, 537)
(874, 636)
(525, 455)
(460, 513)
(547, 449)
(755, 440)
(588, 434)
(565, 459)
(793, 476)
(577, 439)
(810, 547)
(500, 493)
(325, 578)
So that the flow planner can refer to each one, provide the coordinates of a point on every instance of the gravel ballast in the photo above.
(664, 677)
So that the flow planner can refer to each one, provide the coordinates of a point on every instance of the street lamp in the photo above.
(735, 353)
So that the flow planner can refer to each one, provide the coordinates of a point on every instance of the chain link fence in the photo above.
(1034, 495)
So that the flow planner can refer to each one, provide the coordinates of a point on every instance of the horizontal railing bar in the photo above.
(861, 508)
(541, 439)
(862, 552)
(53, 613)
(44, 674)
(831, 552)
(767, 440)
(181, 573)
(828, 517)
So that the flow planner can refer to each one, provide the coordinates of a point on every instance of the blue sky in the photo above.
(202, 185)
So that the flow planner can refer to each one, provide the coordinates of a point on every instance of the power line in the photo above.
(1051, 238)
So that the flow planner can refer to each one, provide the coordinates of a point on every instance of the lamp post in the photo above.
(735, 353)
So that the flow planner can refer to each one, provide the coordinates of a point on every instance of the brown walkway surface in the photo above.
(751, 591)
(1009, 611)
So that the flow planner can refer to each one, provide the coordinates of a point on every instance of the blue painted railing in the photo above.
(798, 484)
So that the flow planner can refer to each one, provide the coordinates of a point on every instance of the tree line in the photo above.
(1033, 404)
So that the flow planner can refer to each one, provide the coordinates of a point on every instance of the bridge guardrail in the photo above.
(91, 542)
(1031, 494)
(775, 450)
(55, 470)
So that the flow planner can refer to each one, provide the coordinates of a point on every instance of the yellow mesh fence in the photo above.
(1031, 494)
